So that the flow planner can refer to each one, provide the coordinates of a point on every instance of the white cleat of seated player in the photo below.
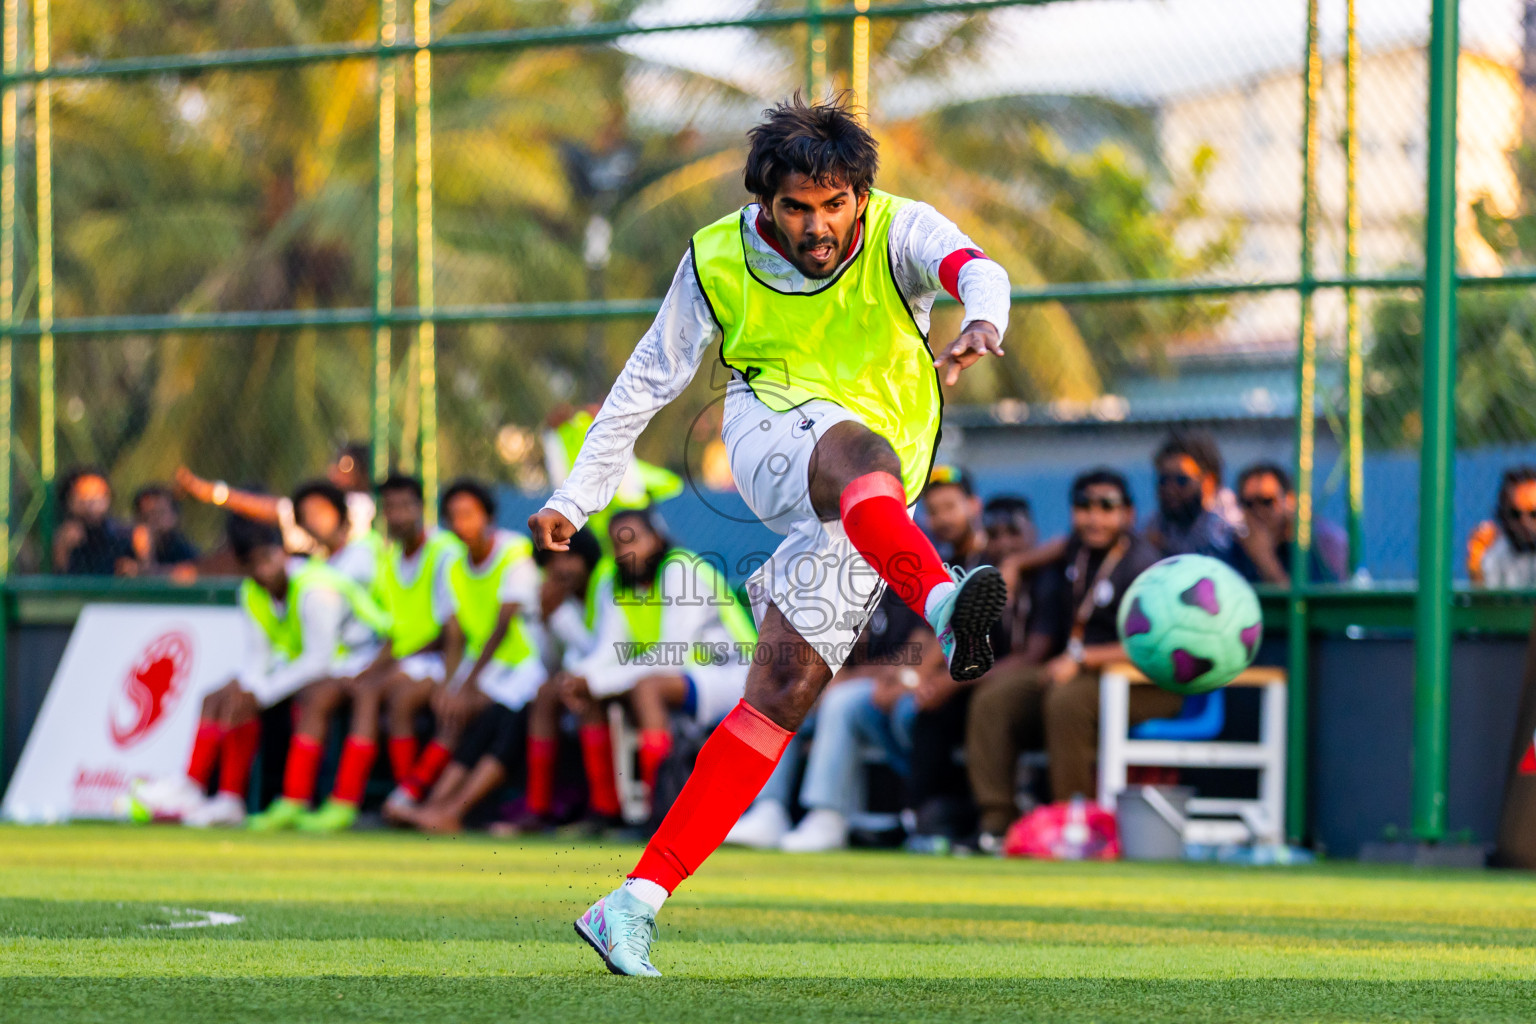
(820, 830)
(166, 799)
(225, 810)
(762, 827)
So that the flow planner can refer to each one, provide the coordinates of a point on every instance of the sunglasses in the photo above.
(1102, 504)
(1174, 480)
(1517, 514)
(1261, 501)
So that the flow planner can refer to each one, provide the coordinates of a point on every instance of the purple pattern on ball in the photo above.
(1251, 638)
(1203, 596)
(1187, 667)
(1136, 621)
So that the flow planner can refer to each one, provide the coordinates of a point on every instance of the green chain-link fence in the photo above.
(235, 234)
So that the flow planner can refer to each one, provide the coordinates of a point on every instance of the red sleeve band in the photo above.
(949, 270)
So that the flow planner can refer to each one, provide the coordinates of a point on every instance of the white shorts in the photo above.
(511, 686)
(815, 577)
(426, 667)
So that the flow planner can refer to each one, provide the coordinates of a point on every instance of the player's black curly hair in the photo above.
(1102, 476)
(402, 482)
(825, 141)
(475, 489)
(321, 489)
(1262, 469)
(1198, 444)
(246, 535)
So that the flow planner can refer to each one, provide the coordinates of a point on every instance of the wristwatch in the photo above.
(220, 492)
(1075, 650)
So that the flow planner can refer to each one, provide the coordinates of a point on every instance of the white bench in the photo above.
(1264, 818)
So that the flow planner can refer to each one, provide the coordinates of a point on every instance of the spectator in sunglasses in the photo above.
(1195, 514)
(1047, 695)
(1502, 554)
(1262, 553)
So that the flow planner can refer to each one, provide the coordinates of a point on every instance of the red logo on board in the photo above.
(151, 688)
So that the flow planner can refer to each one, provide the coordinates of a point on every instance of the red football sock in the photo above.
(874, 514)
(541, 774)
(205, 750)
(655, 745)
(357, 756)
(302, 767)
(402, 756)
(239, 750)
(597, 756)
(428, 767)
(732, 769)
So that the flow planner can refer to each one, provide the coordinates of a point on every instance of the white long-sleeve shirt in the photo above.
(667, 357)
(322, 615)
(690, 615)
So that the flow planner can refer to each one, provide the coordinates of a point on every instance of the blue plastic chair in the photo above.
(1201, 718)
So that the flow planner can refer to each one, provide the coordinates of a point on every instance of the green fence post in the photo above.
(1354, 361)
(10, 17)
(47, 456)
(815, 51)
(426, 331)
(384, 245)
(10, 57)
(1432, 633)
(1297, 626)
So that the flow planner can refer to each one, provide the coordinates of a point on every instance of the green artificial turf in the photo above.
(386, 927)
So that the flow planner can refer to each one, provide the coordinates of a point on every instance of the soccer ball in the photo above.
(1191, 623)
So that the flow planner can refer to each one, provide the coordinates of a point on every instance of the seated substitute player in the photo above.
(569, 596)
(493, 662)
(299, 614)
(669, 637)
(412, 586)
(321, 509)
(816, 298)
(408, 571)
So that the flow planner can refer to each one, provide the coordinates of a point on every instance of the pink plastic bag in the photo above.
(1066, 831)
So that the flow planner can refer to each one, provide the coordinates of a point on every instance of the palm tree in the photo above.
(254, 190)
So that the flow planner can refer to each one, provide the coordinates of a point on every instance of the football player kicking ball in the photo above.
(818, 296)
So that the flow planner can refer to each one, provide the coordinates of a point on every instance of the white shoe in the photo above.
(225, 810)
(165, 799)
(762, 827)
(819, 830)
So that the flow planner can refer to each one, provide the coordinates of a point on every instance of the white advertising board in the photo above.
(123, 705)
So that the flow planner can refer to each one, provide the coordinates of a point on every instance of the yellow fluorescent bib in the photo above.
(410, 604)
(854, 342)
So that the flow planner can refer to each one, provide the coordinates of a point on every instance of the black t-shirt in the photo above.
(1055, 609)
(173, 549)
(100, 548)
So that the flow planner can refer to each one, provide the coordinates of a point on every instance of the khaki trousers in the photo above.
(1016, 708)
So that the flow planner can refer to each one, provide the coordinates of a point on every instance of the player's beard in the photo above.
(840, 247)
(643, 575)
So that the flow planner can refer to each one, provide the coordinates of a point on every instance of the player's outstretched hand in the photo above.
(978, 339)
(551, 531)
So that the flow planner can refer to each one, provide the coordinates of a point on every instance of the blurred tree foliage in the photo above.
(1496, 343)
(566, 173)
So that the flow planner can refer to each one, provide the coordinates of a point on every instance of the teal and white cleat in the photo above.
(964, 619)
(621, 928)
